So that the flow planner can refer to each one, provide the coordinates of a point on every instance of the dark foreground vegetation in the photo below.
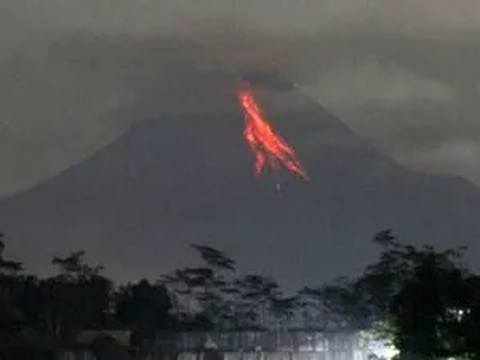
(426, 301)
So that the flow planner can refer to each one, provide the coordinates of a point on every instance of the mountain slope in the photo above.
(185, 177)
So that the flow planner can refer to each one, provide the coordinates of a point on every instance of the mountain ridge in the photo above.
(185, 178)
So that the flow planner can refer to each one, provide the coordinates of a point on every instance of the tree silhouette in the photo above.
(258, 293)
(420, 292)
(78, 296)
(214, 258)
(311, 308)
(144, 308)
(73, 267)
(206, 287)
(8, 266)
(425, 300)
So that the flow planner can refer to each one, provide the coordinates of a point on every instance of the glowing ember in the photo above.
(268, 147)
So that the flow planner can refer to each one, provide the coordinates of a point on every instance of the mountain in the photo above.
(185, 176)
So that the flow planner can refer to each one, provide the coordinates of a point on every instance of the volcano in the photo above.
(184, 177)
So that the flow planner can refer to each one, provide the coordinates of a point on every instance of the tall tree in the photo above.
(78, 296)
(205, 289)
(17, 321)
(419, 290)
(282, 309)
(310, 308)
(258, 293)
(144, 308)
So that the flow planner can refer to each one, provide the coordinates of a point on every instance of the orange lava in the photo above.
(268, 147)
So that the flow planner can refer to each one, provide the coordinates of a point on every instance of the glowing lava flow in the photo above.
(269, 148)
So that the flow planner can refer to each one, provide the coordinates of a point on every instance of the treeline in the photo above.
(426, 301)
(52, 311)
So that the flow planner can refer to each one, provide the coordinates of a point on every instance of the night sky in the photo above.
(120, 133)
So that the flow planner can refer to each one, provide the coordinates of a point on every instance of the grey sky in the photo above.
(402, 73)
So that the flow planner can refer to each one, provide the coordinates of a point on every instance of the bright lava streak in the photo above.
(268, 147)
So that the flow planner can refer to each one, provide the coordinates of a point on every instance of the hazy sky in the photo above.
(75, 74)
